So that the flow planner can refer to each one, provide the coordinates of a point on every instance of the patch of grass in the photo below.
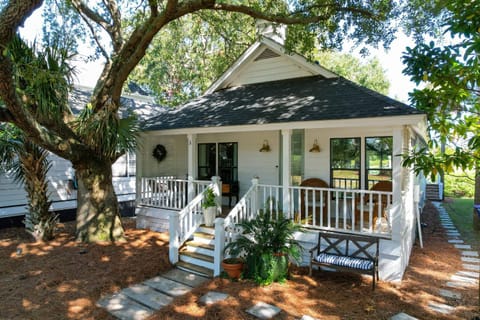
(461, 213)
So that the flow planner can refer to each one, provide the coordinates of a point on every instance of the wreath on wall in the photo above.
(159, 152)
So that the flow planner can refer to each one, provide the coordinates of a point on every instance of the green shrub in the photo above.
(268, 244)
(459, 187)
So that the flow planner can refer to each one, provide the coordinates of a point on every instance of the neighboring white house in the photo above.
(61, 176)
(276, 116)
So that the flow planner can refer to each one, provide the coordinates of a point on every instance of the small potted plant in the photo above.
(209, 207)
(233, 267)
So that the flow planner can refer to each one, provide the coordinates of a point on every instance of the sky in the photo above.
(391, 60)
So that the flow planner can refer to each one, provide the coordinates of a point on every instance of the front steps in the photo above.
(196, 255)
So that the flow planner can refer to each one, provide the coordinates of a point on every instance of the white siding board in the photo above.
(251, 162)
(13, 194)
(175, 163)
(270, 70)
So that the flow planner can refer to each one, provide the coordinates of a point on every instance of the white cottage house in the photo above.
(61, 176)
(288, 136)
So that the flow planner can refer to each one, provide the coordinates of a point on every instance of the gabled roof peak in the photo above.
(265, 61)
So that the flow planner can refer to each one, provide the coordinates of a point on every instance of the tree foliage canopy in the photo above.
(450, 97)
(121, 32)
(369, 74)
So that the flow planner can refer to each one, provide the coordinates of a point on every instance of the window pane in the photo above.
(228, 161)
(206, 160)
(378, 165)
(297, 157)
(345, 163)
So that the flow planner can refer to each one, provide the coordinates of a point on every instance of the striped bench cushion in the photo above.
(343, 261)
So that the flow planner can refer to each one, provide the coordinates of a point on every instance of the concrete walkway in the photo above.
(142, 300)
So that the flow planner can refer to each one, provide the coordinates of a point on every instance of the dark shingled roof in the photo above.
(300, 99)
(142, 106)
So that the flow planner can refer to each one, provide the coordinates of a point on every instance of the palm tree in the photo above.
(44, 77)
(29, 165)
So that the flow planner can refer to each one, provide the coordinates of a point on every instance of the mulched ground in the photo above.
(63, 279)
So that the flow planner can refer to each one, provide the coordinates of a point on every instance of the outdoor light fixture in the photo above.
(265, 147)
(315, 147)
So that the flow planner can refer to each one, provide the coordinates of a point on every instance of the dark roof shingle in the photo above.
(300, 99)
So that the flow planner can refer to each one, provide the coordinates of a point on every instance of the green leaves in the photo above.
(268, 243)
(42, 79)
(105, 133)
(369, 74)
(450, 75)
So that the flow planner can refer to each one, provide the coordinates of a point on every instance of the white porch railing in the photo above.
(351, 211)
(183, 224)
(168, 192)
(345, 210)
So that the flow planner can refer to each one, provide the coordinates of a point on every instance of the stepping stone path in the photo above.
(142, 300)
(263, 310)
(463, 279)
(402, 316)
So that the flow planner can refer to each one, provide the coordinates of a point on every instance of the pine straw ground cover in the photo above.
(63, 279)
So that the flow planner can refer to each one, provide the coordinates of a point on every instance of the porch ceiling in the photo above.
(292, 100)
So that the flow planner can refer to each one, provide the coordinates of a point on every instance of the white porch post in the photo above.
(173, 229)
(139, 171)
(219, 245)
(254, 203)
(192, 170)
(286, 170)
(396, 211)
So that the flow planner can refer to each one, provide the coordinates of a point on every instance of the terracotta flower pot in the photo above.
(233, 267)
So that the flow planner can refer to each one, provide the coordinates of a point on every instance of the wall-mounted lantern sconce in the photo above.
(265, 147)
(315, 147)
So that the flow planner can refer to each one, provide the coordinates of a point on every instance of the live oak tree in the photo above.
(208, 48)
(122, 32)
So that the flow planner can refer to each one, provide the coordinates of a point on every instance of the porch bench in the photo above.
(346, 252)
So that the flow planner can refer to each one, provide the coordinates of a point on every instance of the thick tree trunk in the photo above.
(98, 216)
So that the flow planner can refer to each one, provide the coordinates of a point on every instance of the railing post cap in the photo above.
(219, 220)
(255, 180)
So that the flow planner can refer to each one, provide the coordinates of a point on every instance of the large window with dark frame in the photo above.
(378, 160)
(218, 159)
(345, 157)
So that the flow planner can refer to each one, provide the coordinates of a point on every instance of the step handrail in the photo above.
(226, 229)
(183, 224)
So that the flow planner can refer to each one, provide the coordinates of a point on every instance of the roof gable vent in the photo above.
(267, 54)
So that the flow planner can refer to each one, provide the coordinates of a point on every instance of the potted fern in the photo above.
(209, 207)
(267, 244)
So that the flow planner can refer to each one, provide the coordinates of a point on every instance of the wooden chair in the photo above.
(230, 189)
(307, 209)
(384, 202)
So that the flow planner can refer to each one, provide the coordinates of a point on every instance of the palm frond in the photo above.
(106, 133)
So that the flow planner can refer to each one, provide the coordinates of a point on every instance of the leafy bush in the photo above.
(268, 244)
(459, 187)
